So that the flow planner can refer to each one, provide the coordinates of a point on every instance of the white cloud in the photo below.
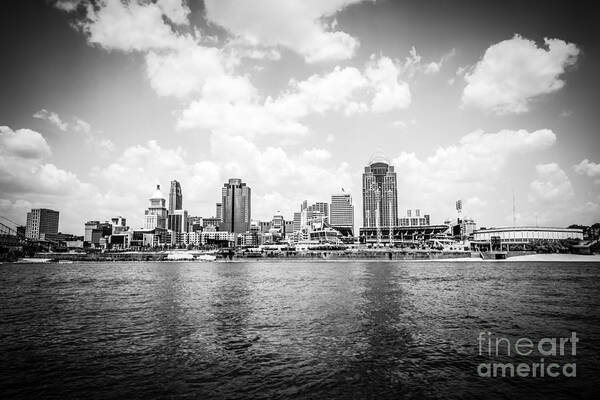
(23, 143)
(185, 69)
(588, 168)
(515, 71)
(552, 185)
(175, 10)
(298, 26)
(52, 117)
(413, 63)
(345, 90)
(320, 93)
(316, 155)
(470, 169)
(92, 138)
(131, 26)
(67, 5)
(80, 126)
(390, 92)
(177, 64)
(27, 179)
(434, 67)
(250, 119)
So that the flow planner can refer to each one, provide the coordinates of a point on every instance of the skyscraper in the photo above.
(41, 221)
(156, 215)
(236, 206)
(380, 193)
(342, 212)
(175, 197)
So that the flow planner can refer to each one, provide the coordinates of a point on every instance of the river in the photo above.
(264, 330)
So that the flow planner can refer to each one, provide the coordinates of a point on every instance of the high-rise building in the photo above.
(219, 211)
(380, 193)
(342, 212)
(236, 206)
(156, 215)
(41, 221)
(175, 197)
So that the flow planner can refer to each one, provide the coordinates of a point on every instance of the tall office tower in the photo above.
(380, 193)
(219, 211)
(41, 221)
(175, 197)
(342, 212)
(236, 206)
(156, 215)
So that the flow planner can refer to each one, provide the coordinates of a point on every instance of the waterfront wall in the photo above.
(308, 255)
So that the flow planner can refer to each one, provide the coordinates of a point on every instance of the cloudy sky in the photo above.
(469, 100)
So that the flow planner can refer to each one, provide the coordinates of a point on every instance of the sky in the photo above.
(482, 101)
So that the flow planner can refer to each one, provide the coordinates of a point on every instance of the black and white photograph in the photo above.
(299, 199)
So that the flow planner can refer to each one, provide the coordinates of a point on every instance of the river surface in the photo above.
(295, 330)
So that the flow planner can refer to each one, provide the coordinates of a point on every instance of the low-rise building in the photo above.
(525, 234)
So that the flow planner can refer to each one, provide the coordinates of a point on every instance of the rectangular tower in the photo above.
(41, 221)
(380, 195)
(341, 211)
(236, 206)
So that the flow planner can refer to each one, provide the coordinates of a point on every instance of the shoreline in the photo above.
(413, 256)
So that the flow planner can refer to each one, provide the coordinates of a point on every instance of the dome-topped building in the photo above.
(156, 215)
(378, 157)
(380, 193)
(157, 194)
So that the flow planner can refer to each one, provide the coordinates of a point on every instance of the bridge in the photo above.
(6, 229)
(10, 238)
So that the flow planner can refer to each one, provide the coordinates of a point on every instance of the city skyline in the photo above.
(186, 91)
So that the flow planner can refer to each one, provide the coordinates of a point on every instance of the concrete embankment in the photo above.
(242, 256)
(125, 256)
(355, 255)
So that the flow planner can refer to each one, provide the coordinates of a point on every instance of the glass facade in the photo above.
(380, 195)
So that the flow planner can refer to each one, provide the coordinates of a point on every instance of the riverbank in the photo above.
(321, 255)
(366, 254)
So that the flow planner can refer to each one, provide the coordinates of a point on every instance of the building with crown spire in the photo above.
(380, 193)
(156, 215)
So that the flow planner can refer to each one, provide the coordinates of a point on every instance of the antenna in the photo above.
(514, 214)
